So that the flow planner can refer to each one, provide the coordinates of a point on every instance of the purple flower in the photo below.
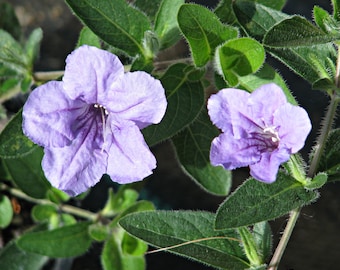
(260, 129)
(89, 123)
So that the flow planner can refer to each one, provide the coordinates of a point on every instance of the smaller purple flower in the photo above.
(89, 123)
(260, 129)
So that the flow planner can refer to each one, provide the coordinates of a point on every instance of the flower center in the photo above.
(104, 113)
(267, 140)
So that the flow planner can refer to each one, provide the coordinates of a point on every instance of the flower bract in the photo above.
(260, 129)
(89, 123)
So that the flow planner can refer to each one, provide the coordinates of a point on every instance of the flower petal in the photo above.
(129, 157)
(233, 153)
(140, 99)
(294, 126)
(264, 101)
(226, 110)
(48, 115)
(76, 167)
(266, 169)
(91, 74)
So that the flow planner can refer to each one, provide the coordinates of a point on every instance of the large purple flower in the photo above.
(89, 123)
(260, 129)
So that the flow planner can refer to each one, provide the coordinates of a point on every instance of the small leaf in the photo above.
(263, 238)
(14, 258)
(318, 181)
(255, 201)
(114, 21)
(185, 101)
(296, 31)
(249, 246)
(32, 46)
(225, 12)
(204, 31)
(27, 174)
(87, 37)
(9, 21)
(336, 9)
(43, 212)
(324, 20)
(189, 234)
(193, 149)
(113, 257)
(98, 231)
(13, 143)
(239, 57)
(166, 26)
(6, 211)
(149, 7)
(66, 241)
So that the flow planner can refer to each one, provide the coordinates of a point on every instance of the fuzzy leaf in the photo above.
(166, 229)
(6, 211)
(193, 149)
(204, 31)
(255, 201)
(114, 21)
(66, 241)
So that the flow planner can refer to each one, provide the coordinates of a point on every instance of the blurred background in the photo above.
(315, 243)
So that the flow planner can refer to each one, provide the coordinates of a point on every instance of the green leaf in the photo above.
(224, 11)
(193, 149)
(336, 9)
(166, 26)
(189, 234)
(115, 255)
(149, 7)
(325, 21)
(296, 31)
(27, 174)
(265, 75)
(42, 212)
(255, 201)
(99, 231)
(114, 21)
(275, 4)
(330, 159)
(249, 246)
(11, 53)
(87, 37)
(203, 31)
(14, 258)
(9, 21)
(257, 19)
(13, 143)
(263, 238)
(239, 57)
(6, 211)
(318, 181)
(32, 46)
(311, 63)
(66, 241)
(185, 101)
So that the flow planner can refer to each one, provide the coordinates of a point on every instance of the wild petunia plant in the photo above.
(222, 107)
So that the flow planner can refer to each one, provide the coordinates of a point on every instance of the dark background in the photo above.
(315, 243)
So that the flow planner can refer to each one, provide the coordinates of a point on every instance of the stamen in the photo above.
(103, 113)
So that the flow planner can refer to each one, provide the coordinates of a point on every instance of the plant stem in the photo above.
(328, 121)
(65, 208)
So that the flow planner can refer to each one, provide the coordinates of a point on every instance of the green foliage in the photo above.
(166, 25)
(13, 143)
(263, 239)
(27, 174)
(110, 20)
(239, 57)
(6, 211)
(87, 37)
(203, 31)
(67, 241)
(330, 159)
(185, 101)
(193, 148)
(9, 21)
(14, 258)
(296, 31)
(254, 202)
(189, 234)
